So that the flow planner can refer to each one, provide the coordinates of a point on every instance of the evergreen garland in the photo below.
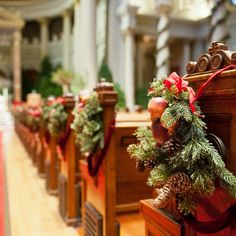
(54, 117)
(88, 125)
(194, 156)
(34, 119)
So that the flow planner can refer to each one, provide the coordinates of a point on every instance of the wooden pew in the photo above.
(42, 151)
(69, 175)
(51, 162)
(118, 186)
(218, 104)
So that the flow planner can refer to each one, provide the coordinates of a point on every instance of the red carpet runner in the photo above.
(1, 188)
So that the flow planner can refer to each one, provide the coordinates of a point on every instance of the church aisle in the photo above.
(32, 211)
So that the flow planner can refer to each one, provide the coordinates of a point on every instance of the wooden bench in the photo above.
(51, 158)
(42, 151)
(118, 186)
(69, 189)
(218, 104)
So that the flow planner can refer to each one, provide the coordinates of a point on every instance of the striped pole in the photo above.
(163, 8)
(218, 20)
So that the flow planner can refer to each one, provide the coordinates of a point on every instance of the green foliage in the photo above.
(159, 174)
(88, 125)
(62, 77)
(141, 97)
(197, 157)
(77, 84)
(104, 72)
(121, 96)
(146, 148)
(45, 86)
(55, 117)
(33, 122)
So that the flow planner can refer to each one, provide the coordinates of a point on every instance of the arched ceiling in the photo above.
(35, 9)
(183, 9)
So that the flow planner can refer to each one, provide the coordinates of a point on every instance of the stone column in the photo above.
(66, 39)
(185, 56)
(128, 22)
(163, 8)
(44, 37)
(129, 70)
(77, 34)
(198, 48)
(89, 42)
(17, 65)
(220, 13)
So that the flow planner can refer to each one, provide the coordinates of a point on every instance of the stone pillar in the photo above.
(89, 70)
(44, 37)
(163, 8)
(77, 34)
(128, 22)
(129, 71)
(66, 39)
(140, 54)
(185, 56)
(198, 48)
(17, 65)
(219, 30)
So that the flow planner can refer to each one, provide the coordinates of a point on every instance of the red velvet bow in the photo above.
(181, 85)
(80, 106)
(57, 100)
(35, 113)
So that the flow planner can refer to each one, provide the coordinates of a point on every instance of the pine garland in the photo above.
(88, 125)
(194, 156)
(55, 117)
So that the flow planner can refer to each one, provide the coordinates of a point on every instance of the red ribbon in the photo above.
(181, 85)
(34, 113)
(59, 100)
(64, 139)
(208, 227)
(214, 75)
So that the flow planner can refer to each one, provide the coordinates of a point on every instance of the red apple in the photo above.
(159, 133)
(156, 107)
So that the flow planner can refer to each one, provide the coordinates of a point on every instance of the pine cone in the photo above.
(171, 146)
(150, 163)
(140, 165)
(177, 183)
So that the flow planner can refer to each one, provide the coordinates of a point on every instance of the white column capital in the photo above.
(128, 14)
(76, 2)
(163, 7)
(43, 21)
(66, 13)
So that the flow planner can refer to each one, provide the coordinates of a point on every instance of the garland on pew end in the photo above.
(88, 127)
(55, 116)
(184, 164)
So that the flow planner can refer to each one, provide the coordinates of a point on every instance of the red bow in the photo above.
(181, 85)
(35, 113)
(59, 100)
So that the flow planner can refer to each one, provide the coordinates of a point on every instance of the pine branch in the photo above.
(159, 175)
(146, 148)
